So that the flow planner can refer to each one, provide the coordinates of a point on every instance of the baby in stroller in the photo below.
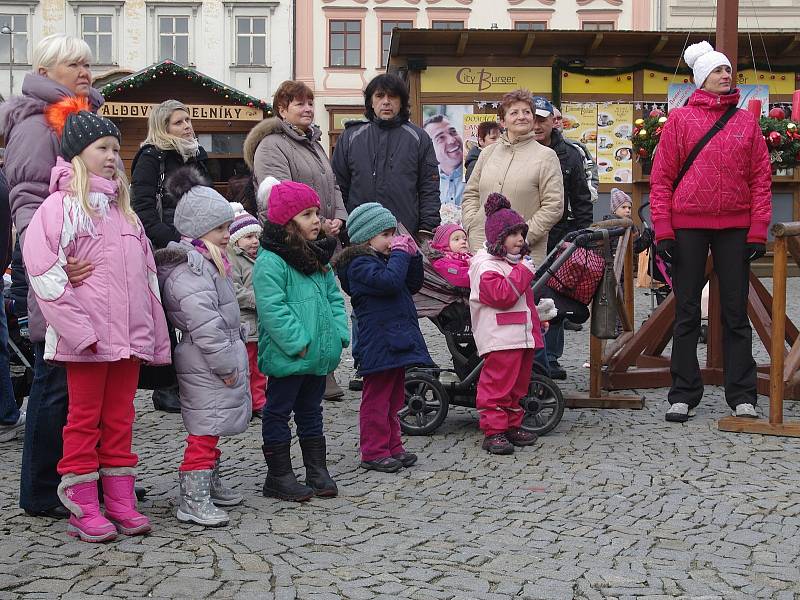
(449, 254)
(430, 392)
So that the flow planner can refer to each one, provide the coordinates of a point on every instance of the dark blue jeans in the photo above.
(301, 394)
(554, 341)
(47, 415)
(9, 413)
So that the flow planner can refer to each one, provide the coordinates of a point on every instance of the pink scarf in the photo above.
(201, 248)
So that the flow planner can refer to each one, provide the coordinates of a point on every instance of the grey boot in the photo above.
(196, 505)
(221, 495)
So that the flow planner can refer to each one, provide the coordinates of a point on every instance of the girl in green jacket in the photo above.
(302, 330)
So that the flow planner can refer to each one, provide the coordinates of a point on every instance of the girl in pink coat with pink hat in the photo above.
(103, 330)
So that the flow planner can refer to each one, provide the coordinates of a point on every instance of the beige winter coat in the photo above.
(242, 279)
(529, 175)
(274, 148)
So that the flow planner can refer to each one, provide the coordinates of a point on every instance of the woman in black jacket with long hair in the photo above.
(170, 144)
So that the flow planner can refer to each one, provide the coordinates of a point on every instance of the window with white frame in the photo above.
(173, 38)
(386, 36)
(15, 43)
(597, 26)
(98, 32)
(251, 41)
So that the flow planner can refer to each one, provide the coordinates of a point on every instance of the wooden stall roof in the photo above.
(495, 47)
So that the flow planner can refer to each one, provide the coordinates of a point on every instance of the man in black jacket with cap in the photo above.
(578, 211)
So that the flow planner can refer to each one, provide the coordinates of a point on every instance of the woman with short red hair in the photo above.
(287, 147)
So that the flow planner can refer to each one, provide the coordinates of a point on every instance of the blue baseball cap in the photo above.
(542, 106)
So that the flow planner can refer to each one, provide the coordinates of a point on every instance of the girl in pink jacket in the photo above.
(102, 330)
(505, 324)
(450, 257)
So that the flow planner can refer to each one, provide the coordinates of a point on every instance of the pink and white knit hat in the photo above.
(243, 224)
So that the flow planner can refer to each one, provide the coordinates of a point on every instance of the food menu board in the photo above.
(580, 124)
(614, 153)
(471, 123)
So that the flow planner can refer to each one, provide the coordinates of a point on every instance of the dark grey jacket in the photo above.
(578, 210)
(391, 162)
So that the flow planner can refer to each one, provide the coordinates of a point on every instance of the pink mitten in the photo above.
(399, 243)
(411, 245)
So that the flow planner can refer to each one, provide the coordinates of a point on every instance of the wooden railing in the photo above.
(784, 367)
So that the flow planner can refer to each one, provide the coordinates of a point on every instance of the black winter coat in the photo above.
(380, 287)
(5, 225)
(391, 162)
(472, 158)
(145, 182)
(578, 210)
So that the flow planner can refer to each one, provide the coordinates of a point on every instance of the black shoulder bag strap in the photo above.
(160, 191)
(715, 129)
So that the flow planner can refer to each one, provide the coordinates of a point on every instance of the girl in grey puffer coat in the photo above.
(211, 359)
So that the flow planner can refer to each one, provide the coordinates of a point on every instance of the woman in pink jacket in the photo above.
(103, 330)
(723, 203)
(505, 324)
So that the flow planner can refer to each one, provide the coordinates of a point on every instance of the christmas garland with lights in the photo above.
(647, 133)
(168, 68)
(783, 139)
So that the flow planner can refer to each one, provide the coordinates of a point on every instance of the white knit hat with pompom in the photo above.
(262, 196)
(702, 59)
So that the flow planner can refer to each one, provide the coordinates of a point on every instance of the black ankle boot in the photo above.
(317, 476)
(281, 481)
(167, 400)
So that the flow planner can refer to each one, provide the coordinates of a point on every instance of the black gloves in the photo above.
(754, 251)
(667, 250)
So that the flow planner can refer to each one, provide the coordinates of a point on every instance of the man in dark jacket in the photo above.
(388, 159)
(12, 420)
(578, 212)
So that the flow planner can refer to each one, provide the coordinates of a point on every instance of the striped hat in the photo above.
(243, 224)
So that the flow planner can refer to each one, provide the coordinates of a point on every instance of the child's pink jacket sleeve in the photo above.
(455, 272)
(502, 292)
(48, 234)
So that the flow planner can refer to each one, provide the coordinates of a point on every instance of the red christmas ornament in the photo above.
(777, 113)
(774, 138)
(656, 113)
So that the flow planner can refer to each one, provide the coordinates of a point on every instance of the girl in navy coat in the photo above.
(380, 272)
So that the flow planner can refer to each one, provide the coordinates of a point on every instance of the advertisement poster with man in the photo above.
(444, 123)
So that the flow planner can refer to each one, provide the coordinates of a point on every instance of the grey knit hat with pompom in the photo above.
(200, 207)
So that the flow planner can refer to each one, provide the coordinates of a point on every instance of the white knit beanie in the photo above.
(702, 59)
(262, 196)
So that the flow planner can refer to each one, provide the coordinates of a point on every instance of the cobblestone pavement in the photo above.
(612, 504)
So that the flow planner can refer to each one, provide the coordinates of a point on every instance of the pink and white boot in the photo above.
(79, 494)
(120, 501)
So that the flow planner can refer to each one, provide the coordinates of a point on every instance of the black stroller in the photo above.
(430, 391)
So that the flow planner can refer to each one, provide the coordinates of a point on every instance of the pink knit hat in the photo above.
(442, 235)
(501, 220)
(618, 198)
(288, 199)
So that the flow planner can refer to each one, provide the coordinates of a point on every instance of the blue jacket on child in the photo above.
(380, 288)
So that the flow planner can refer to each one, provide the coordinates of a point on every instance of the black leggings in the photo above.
(739, 369)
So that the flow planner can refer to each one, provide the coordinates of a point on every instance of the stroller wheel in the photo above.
(544, 405)
(426, 404)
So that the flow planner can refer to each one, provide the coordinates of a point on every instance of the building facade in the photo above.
(701, 15)
(342, 44)
(246, 44)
